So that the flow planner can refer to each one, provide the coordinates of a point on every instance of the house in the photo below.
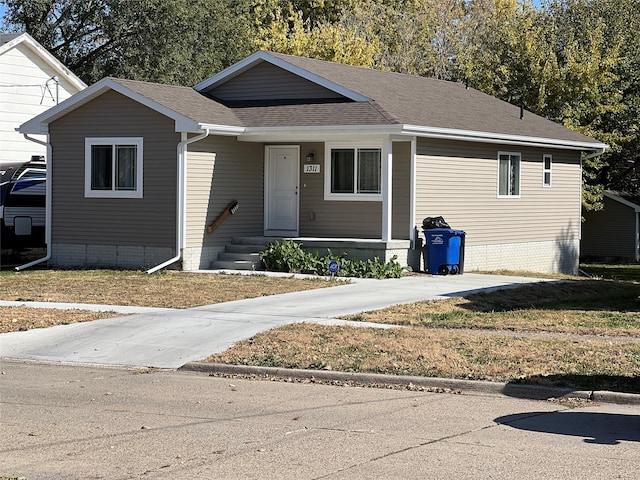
(613, 231)
(331, 154)
(31, 81)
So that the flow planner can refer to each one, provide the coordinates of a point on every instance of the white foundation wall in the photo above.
(544, 257)
(199, 258)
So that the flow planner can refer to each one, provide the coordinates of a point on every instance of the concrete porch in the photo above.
(243, 252)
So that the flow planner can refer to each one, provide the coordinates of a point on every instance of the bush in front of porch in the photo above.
(289, 256)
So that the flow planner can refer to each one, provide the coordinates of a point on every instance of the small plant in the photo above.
(288, 256)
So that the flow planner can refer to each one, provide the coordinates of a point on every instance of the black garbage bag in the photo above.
(434, 222)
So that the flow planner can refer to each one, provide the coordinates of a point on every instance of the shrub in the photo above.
(288, 256)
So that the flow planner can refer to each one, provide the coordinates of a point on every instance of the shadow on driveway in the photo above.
(600, 428)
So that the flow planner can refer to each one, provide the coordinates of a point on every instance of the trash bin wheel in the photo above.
(454, 269)
(443, 270)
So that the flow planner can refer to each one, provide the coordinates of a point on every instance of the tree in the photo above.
(169, 41)
(288, 30)
(599, 53)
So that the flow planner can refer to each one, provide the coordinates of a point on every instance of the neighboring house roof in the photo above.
(9, 41)
(356, 97)
(625, 198)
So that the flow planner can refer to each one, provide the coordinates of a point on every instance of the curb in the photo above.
(516, 390)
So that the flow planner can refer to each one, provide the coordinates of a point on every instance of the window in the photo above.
(546, 170)
(353, 173)
(113, 167)
(508, 174)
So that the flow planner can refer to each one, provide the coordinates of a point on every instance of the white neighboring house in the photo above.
(31, 81)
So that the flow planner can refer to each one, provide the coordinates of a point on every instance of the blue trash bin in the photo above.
(445, 251)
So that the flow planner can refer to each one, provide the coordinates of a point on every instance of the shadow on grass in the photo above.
(599, 295)
(612, 383)
(594, 427)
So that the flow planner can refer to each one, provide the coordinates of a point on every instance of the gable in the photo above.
(38, 55)
(265, 83)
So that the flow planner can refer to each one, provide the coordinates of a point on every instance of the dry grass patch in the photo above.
(167, 289)
(18, 319)
(587, 307)
(442, 353)
(110, 287)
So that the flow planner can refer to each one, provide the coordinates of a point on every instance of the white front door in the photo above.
(282, 173)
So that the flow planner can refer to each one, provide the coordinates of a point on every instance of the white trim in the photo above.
(546, 170)
(47, 206)
(40, 123)
(44, 54)
(387, 189)
(262, 56)
(510, 154)
(114, 192)
(181, 197)
(339, 132)
(413, 189)
(489, 137)
(351, 197)
(621, 200)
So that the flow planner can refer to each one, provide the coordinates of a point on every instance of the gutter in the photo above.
(488, 137)
(47, 207)
(181, 204)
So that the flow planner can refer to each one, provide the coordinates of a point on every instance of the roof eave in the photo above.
(40, 123)
(505, 139)
(315, 132)
(47, 57)
(215, 129)
(623, 201)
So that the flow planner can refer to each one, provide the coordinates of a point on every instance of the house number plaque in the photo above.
(312, 168)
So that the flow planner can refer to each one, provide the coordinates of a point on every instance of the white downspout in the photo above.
(47, 206)
(181, 204)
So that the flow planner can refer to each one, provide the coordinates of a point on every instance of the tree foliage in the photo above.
(177, 41)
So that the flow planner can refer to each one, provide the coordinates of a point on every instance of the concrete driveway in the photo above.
(169, 338)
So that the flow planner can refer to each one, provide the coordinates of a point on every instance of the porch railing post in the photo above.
(387, 164)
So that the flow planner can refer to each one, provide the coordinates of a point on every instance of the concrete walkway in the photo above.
(168, 338)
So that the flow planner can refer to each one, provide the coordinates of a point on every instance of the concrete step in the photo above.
(243, 248)
(262, 241)
(232, 256)
(237, 265)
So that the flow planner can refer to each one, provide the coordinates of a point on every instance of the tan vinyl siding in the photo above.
(333, 219)
(459, 182)
(238, 175)
(268, 82)
(353, 219)
(149, 221)
(610, 232)
(200, 168)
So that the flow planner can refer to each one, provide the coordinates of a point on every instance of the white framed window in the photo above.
(113, 167)
(353, 172)
(547, 160)
(509, 174)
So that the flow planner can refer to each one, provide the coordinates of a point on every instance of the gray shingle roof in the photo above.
(396, 99)
(184, 101)
(435, 103)
(322, 114)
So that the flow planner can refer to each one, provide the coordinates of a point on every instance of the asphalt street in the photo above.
(77, 422)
